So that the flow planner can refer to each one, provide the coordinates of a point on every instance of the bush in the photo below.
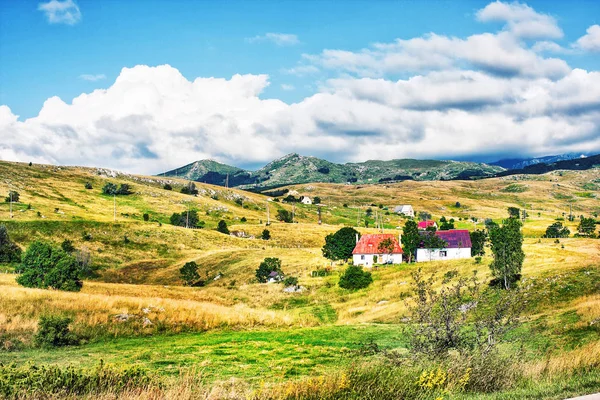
(53, 331)
(112, 189)
(222, 227)
(266, 235)
(243, 219)
(12, 197)
(167, 187)
(190, 188)
(189, 219)
(290, 281)
(146, 217)
(46, 267)
(339, 245)
(557, 230)
(9, 251)
(189, 273)
(355, 278)
(284, 216)
(67, 246)
(88, 185)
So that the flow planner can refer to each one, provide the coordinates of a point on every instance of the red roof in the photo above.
(456, 238)
(426, 224)
(369, 244)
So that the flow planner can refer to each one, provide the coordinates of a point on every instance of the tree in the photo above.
(339, 245)
(424, 216)
(514, 212)
(557, 230)
(507, 250)
(369, 212)
(432, 241)
(290, 199)
(284, 216)
(457, 204)
(12, 197)
(88, 185)
(478, 239)
(167, 187)
(290, 281)
(269, 264)
(446, 225)
(222, 227)
(67, 246)
(317, 200)
(355, 278)
(110, 189)
(146, 217)
(266, 235)
(386, 246)
(53, 331)
(46, 267)
(9, 251)
(410, 239)
(187, 218)
(124, 189)
(587, 227)
(189, 273)
(190, 188)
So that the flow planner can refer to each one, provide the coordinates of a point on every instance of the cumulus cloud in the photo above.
(61, 12)
(521, 20)
(92, 78)
(591, 40)
(280, 39)
(152, 119)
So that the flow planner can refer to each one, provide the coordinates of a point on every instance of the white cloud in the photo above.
(287, 86)
(61, 12)
(591, 40)
(301, 70)
(280, 39)
(92, 78)
(153, 119)
(521, 20)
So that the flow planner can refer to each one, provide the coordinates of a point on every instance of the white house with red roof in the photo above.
(369, 251)
(423, 225)
(458, 246)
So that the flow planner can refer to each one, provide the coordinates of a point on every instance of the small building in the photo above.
(274, 277)
(367, 251)
(406, 210)
(306, 200)
(458, 246)
(423, 225)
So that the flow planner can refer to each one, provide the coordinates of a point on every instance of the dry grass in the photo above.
(582, 359)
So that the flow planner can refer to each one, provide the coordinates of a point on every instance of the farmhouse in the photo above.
(405, 210)
(369, 250)
(458, 246)
(423, 225)
(306, 200)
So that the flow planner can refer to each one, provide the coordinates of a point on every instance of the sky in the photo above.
(147, 86)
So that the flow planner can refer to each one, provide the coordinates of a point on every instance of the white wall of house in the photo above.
(306, 200)
(367, 259)
(442, 254)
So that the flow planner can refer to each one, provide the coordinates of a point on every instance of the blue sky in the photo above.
(88, 48)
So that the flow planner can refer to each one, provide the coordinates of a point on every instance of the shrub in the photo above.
(187, 218)
(317, 200)
(266, 235)
(290, 281)
(67, 246)
(345, 205)
(86, 236)
(557, 230)
(12, 197)
(9, 251)
(53, 331)
(167, 187)
(243, 219)
(146, 217)
(45, 267)
(222, 227)
(189, 273)
(190, 188)
(355, 278)
(88, 185)
(269, 264)
(110, 189)
(284, 216)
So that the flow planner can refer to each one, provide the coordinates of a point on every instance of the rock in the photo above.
(147, 322)
(123, 317)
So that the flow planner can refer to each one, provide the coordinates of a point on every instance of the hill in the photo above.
(294, 168)
(520, 163)
(576, 164)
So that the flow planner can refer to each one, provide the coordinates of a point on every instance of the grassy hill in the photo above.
(236, 328)
(294, 168)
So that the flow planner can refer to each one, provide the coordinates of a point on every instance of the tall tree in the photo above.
(189, 273)
(514, 212)
(587, 227)
(557, 230)
(410, 239)
(9, 251)
(507, 249)
(478, 239)
(339, 245)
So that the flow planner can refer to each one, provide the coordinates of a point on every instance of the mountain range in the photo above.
(294, 168)
(520, 163)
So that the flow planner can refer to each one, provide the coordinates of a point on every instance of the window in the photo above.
(443, 253)
(362, 257)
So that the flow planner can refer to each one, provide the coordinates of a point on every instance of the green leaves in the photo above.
(507, 249)
(339, 245)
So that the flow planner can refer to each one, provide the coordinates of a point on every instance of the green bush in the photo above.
(88, 185)
(222, 227)
(12, 197)
(112, 189)
(9, 251)
(67, 246)
(290, 281)
(266, 235)
(355, 278)
(189, 273)
(167, 187)
(284, 216)
(46, 267)
(53, 331)
(269, 264)
(146, 217)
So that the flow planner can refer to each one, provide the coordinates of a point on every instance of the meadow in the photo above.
(236, 338)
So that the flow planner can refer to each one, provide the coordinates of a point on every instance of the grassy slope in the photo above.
(564, 320)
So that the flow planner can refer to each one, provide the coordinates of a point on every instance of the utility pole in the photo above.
(227, 182)
(187, 220)
(10, 195)
(293, 211)
(114, 208)
(268, 215)
(357, 216)
(319, 212)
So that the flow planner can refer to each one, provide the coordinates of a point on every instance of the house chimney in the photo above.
(357, 238)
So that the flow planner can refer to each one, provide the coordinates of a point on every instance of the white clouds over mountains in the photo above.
(487, 94)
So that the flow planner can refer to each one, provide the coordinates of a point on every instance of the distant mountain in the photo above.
(520, 163)
(294, 168)
(577, 164)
